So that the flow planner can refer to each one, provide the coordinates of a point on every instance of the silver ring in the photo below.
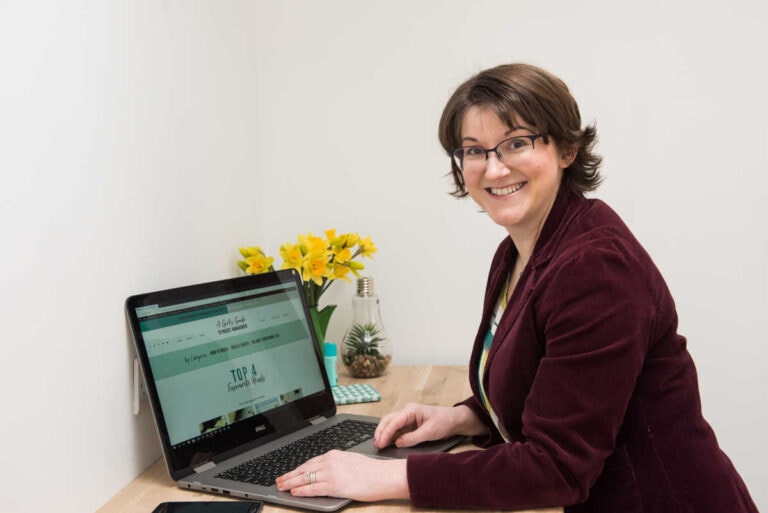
(311, 477)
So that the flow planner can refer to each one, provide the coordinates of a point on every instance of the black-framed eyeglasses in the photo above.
(509, 152)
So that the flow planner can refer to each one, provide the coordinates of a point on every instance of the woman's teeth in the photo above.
(507, 190)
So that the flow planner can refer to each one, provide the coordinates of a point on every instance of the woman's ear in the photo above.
(567, 156)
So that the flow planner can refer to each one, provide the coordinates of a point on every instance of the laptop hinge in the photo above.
(205, 466)
(318, 420)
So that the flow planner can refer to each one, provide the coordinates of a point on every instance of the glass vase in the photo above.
(366, 350)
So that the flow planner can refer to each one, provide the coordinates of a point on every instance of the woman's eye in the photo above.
(474, 152)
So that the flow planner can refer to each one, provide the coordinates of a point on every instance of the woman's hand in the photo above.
(355, 476)
(418, 423)
(349, 475)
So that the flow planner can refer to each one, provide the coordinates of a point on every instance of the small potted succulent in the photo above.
(364, 352)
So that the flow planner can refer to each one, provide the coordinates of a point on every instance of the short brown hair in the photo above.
(535, 96)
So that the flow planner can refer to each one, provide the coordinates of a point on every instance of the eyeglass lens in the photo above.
(509, 152)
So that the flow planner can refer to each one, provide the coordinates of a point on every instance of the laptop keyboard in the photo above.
(264, 469)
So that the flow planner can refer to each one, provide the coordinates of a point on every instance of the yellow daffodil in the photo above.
(343, 241)
(319, 260)
(356, 267)
(340, 271)
(367, 247)
(316, 270)
(312, 244)
(291, 255)
(251, 251)
(258, 264)
(351, 240)
(343, 256)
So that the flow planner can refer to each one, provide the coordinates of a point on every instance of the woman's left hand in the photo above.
(348, 475)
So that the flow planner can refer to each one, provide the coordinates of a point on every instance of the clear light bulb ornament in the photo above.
(366, 349)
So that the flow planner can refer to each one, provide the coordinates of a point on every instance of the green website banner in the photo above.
(167, 365)
(173, 320)
(196, 314)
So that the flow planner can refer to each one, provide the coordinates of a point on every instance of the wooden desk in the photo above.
(437, 385)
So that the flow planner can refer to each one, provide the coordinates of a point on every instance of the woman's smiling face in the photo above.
(516, 195)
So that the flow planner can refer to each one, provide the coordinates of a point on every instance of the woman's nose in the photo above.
(494, 167)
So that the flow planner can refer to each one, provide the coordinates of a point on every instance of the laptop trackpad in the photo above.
(423, 448)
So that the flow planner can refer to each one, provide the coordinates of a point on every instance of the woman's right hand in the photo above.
(418, 423)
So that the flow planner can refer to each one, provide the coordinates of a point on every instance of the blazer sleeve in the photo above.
(595, 312)
(493, 436)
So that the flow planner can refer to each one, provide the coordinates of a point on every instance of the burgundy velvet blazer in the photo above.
(593, 387)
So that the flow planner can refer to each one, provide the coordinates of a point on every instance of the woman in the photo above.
(584, 394)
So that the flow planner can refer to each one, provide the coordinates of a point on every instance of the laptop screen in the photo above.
(228, 363)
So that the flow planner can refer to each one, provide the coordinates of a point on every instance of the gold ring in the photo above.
(311, 477)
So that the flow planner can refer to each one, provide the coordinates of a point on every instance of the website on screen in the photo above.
(221, 360)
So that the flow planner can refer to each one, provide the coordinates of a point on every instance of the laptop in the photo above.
(234, 373)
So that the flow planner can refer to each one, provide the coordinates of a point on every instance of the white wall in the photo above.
(142, 142)
(128, 135)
